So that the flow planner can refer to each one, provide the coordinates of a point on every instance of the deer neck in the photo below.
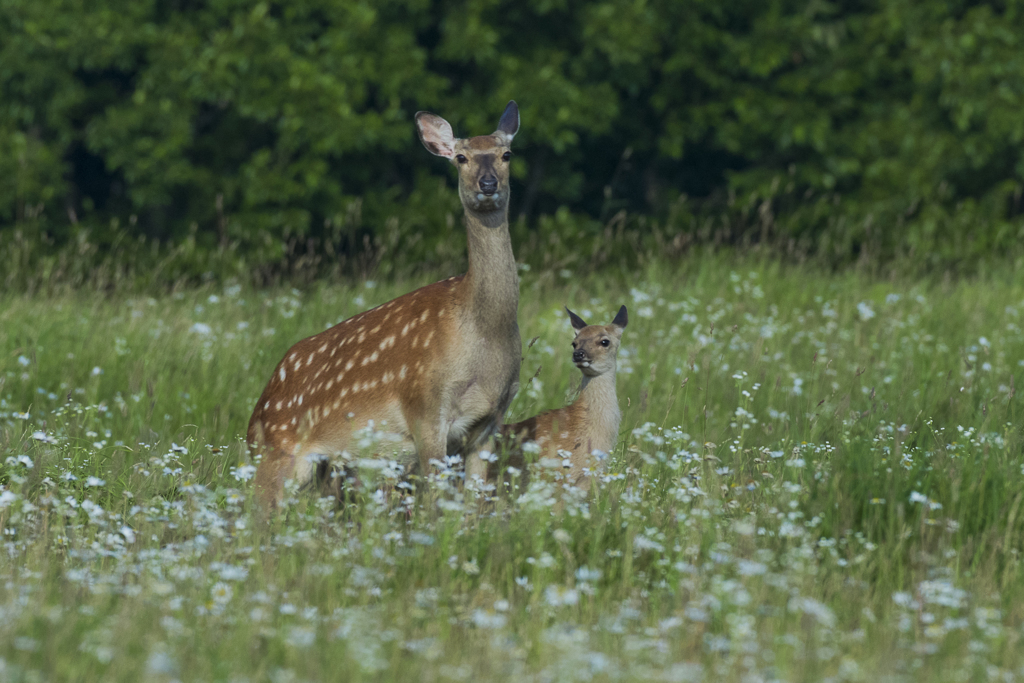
(492, 279)
(601, 405)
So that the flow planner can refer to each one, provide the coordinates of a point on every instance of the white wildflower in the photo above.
(865, 311)
(6, 498)
(243, 473)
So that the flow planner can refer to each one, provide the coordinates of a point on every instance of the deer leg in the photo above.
(270, 477)
(431, 444)
(476, 467)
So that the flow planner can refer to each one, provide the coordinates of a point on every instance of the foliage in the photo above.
(851, 130)
(818, 476)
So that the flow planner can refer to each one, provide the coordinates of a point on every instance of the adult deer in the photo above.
(436, 367)
(578, 433)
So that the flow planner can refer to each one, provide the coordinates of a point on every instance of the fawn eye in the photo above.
(605, 342)
(506, 156)
(461, 158)
(574, 345)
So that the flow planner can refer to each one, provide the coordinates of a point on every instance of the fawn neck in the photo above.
(599, 392)
(492, 279)
(600, 411)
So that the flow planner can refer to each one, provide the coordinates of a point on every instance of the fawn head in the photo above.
(595, 346)
(482, 162)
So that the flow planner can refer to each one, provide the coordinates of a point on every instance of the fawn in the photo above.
(581, 433)
(435, 368)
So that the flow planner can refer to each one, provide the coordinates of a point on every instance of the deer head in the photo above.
(595, 346)
(482, 161)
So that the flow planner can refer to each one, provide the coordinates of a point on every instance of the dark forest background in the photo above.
(846, 131)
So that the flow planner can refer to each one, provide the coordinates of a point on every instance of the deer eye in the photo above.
(574, 345)
(461, 158)
(605, 342)
(506, 156)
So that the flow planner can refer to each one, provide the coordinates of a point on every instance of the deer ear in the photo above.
(435, 134)
(621, 318)
(577, 322)
(508, 126)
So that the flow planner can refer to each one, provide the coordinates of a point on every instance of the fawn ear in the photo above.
(508, 126)
(577, 322)
(621, 318)
(435, 134)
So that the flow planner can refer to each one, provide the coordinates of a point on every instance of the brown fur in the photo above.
(591, 422)
(435, 368)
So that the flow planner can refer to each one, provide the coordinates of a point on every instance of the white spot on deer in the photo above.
(405, 330)
(327, 411)
(279, 405)
(372, 385)
(282, 373)
(310, 361)
(375, 330)
(423, 316)
(301, 396)
(295, 420)
(330, 384)
(387, 343)
(266, 405)
(374, 356)
(337, 403)
(344, 392)
(362, 336)
(440, 313)
(349, 364)
(401, 373)
(322, 348)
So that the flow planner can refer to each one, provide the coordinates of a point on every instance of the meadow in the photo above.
(818, 477)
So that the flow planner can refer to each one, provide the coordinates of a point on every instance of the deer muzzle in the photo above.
(489, 184)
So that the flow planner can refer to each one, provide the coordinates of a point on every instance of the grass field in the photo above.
(819, 477)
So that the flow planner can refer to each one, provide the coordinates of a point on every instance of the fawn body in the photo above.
(591, 422)
(435, 369)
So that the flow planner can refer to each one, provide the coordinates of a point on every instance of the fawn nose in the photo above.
(488, 184)
(578, 356)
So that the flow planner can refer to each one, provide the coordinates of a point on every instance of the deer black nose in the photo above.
(488, 185)
(577, 356)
